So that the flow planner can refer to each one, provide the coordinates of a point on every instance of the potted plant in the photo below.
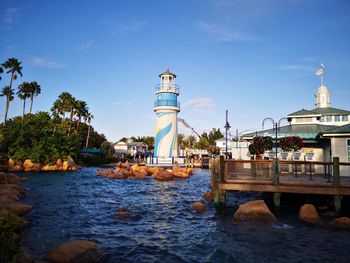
(259, 145)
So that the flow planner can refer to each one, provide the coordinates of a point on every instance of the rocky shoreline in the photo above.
(29, 166)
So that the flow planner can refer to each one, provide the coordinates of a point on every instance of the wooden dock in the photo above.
(278, 177)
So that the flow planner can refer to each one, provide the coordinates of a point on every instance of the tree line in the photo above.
(44, 136)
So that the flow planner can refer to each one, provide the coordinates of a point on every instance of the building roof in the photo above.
(121, 151)
(338, 129)
(301, 113)
(304, 131)
(137, 144)
(320, 111)
(167, 72)
(223, 139)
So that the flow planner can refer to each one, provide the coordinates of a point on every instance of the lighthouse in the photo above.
(166, 108)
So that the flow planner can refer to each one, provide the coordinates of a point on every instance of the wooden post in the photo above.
(222, 193)
(336, 183)
(277, 200)
(275, 177)
(215, 180)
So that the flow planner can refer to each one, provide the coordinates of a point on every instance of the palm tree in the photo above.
(65, 103)
(24, 93)
(14, 67)
(8, 92)
(81, 110)
(34, 90)
(1, 71)
(88, 118)
(180, 140)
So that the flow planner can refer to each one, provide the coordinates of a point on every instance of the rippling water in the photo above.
(161, 227)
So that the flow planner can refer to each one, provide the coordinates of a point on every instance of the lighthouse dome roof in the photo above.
(167, 73)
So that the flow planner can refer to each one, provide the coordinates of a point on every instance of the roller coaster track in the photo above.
(188, 126)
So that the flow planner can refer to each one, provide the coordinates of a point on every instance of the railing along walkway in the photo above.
(280, 176)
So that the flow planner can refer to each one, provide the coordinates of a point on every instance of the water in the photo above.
(161, 227)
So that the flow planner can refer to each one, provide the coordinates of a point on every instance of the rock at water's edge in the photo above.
(199, 207)
(309, 214)
(75, 251)
(340, 223)
(254, 211)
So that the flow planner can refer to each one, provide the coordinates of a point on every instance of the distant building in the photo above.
(325, 131)
(133, 149)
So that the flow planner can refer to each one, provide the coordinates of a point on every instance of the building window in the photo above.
(329, 119)
(301, 120)
(344, 118)
(322, 119)
(337, 118)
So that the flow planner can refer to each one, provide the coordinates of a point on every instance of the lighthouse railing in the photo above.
(167, 87)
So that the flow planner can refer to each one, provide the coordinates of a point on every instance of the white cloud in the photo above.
(10, 18)
(200, 103)
(46, 63)
(87, 45)
(124, 29)
(123, 103)
(223, 34)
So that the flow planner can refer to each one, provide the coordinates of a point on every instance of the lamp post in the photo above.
(227, 127)
(276, 126)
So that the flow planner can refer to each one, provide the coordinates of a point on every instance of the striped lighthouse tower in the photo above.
(166, 107)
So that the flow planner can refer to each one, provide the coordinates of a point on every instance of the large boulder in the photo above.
(28, 165)
(198, 207)
(69, 165)
(309, 214)
(13, 179)
(209, 196)
(47, 168)
(163, 176)
(75, 252)
(16, 168)
(254, 211)
(3, 178)
(18, 208)
(340, 223)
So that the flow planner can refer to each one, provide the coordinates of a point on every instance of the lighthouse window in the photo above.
(329, 118)
(337, 118)
(344, 118)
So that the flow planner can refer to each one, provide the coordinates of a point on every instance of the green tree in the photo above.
(24, 93)
(34, 90)
(203, 142)
(181, 141)
(190, 141)
(214, 135)
(81, 110)
(8, 92)
(108, 150)
(13, 67)
(1, 71)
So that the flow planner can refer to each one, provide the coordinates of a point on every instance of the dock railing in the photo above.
(280, 176)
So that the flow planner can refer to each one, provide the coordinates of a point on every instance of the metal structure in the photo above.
(188, 126)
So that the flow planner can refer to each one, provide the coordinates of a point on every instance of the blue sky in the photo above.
(256, 58)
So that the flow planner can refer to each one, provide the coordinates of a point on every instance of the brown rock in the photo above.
(36, 167)
(18, 208)
(308, 213)
(340, 223)
(209, 196)
(74, 252)
(16, 168)
(10, 164)
(116, 176)
(198, 207)
(49, 168)
(13, 179)
(163, 176)
(254, 211)
(122, 216)
(3, 178)
(122, 209)
(28, 165)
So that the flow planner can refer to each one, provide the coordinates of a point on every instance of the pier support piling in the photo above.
(277, 200)
(336, 183)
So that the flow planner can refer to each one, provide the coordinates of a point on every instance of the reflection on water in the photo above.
(161, 227)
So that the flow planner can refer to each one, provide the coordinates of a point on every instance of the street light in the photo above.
(227, 127)
(276, 126)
